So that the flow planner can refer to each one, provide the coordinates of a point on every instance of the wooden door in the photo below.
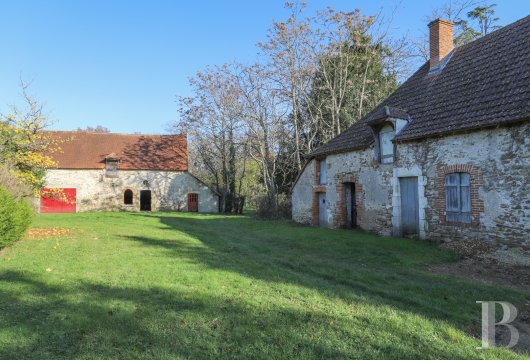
(193, 202)
(409, 205)
(322, 210)
(351, 206)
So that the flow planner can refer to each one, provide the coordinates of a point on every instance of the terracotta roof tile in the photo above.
(85, 150)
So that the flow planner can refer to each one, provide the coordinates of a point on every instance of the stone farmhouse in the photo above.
(445, 157)
(102, 171)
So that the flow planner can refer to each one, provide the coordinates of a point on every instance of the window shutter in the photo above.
(458, 197)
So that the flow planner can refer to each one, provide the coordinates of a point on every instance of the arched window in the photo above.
(458, 197)
(386, 148)
(128, 197)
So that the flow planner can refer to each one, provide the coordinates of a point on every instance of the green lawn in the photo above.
(137, 285)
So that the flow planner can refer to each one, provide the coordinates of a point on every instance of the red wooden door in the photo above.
(58, 200)
(193, 202)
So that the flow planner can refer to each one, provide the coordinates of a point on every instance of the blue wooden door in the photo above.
(409, 205)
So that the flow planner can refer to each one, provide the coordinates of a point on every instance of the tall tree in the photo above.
(265, 123)
(314, 78)
(290, 59)
(212, 120)
(485, 22)
(352, 74)
(473, 19)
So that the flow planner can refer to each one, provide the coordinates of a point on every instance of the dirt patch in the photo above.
(488, 271)
(507, 268)
(468, 248)
(485, 263)
(48, 232)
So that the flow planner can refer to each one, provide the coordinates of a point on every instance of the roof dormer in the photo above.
(385, 125)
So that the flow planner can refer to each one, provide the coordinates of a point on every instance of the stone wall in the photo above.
(498, 161)
(169, 189)
(372, 189)
(302, 201)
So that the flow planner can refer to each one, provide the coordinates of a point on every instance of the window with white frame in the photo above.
(458, 197)
(386, 147)
(323, 174)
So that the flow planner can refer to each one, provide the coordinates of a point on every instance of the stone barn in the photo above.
(112, 172)
(445, 157)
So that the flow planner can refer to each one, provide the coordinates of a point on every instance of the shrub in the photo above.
(271, 208)
(15, 217)
(12, 184)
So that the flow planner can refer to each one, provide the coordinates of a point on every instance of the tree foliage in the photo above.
(314, 77)
(94, 129)
(212, 121)
(23, 143)
(480, 21)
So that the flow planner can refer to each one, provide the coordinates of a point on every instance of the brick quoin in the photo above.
(477, 205)
(317, 188)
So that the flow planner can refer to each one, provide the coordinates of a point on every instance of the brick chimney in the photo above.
(440, 40)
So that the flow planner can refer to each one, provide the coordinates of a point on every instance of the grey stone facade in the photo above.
(498, 160)
(301, 195)
(169, 189)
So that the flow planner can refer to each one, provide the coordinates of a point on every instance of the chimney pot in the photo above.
(440, 40)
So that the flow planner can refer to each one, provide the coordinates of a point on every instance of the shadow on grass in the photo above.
(345, 264)
(92, 320)
(125, 322)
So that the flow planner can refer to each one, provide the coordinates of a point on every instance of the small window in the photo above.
(323, 173)
(128, 197)
(458, 198)
(386, 147)
(111, 168)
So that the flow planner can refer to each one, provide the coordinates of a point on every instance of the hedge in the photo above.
(15, 218)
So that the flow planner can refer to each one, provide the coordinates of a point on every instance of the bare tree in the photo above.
(316, 76)
(264, 118)
(290, 60)
(94, 129)
(212, 121)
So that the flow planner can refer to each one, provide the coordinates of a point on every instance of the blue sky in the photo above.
(120, 63)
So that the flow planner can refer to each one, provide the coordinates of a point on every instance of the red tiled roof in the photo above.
(86, 150)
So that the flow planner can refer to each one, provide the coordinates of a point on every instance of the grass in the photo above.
(160, 285)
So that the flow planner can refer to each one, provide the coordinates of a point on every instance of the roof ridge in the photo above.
(109, 133)
(484, 84)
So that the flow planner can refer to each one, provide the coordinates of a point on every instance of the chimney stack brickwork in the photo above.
(440, 40)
